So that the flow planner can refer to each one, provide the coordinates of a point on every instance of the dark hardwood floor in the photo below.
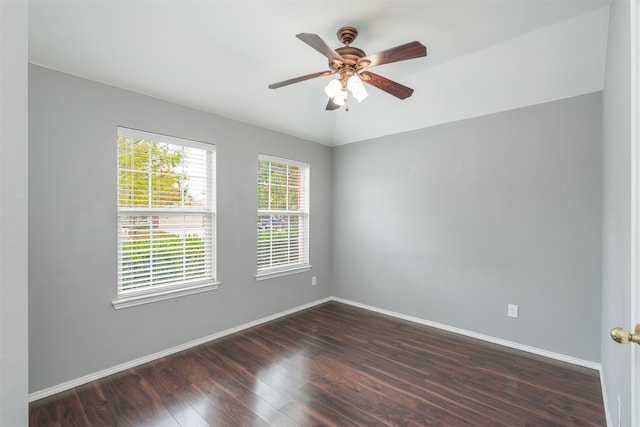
(336, 365)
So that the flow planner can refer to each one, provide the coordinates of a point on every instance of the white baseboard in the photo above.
(505, 343)
(145, 359)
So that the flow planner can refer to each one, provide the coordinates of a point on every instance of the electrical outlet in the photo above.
(313, 281)
(512, 311)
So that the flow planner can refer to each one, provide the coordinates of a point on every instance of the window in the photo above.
(283, 217)
(166, 217)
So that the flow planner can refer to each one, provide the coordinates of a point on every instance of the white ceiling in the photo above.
(484, 56)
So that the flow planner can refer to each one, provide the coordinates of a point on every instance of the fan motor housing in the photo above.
(350, 55)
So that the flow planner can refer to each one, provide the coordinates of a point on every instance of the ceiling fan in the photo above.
(350, 63)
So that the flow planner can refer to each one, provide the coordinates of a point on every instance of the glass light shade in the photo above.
(360, 95)
(340, 98)
(357, 88)
(354, 84)
(333, 88)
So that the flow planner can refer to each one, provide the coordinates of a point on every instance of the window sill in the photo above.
(132, 301)
(270, 274)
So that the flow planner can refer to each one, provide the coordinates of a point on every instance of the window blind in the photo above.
(283, 214)
(166, 212)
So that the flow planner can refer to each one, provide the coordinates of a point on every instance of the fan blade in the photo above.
(316, 42)
(399, 53)
(389, 86)
(299, 79)
(331, 105)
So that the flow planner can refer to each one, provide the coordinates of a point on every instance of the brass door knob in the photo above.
(622, 336)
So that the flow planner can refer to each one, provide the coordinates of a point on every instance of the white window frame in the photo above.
(299, 266)
(151, 293)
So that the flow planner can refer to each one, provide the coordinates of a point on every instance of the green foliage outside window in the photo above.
(278, 186)
(149, 174)
(173, 258)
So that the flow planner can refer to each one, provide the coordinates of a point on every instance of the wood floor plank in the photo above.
(123, 409)
(69, 412)
(95, 405)
(391, 370)
(171, 390)
(43, 413)
(337, 365)
(141, 395)
(218, 397)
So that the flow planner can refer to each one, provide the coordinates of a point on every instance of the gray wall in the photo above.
(616, 267)
(73, 329)
(452, 223)
(13, 214)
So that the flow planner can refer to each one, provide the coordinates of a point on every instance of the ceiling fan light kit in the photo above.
(349, 63)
